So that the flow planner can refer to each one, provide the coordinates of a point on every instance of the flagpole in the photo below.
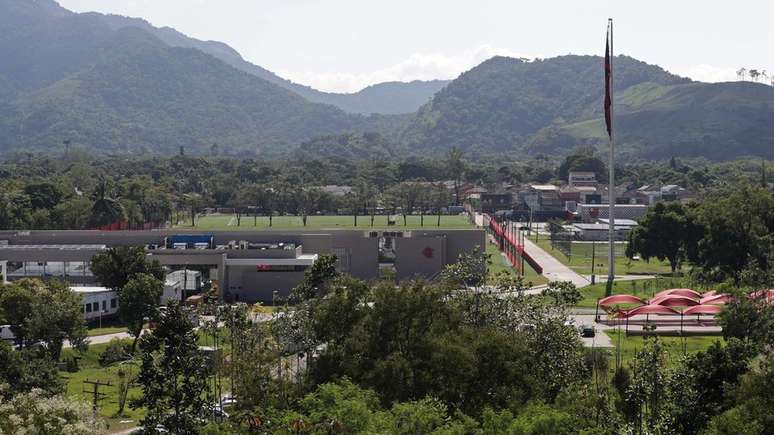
(611, 168)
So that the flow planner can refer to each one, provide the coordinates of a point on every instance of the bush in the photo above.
(117, 350)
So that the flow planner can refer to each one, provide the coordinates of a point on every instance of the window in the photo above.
(83, 309)
(113, 303)
(104, 305)
(95, 307)
(88, 308)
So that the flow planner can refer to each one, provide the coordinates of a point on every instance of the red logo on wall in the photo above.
(428, 252)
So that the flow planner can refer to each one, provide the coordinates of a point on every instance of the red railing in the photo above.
(512, 249)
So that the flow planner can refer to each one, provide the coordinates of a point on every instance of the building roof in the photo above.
(90, 289)
(545, 187)
(59, 247)
(598, 227)
(623, 222)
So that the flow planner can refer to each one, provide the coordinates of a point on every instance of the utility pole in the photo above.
(593, 251)
(96, 394)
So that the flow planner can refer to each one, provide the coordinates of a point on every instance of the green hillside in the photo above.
(553, 105)
(73, 77)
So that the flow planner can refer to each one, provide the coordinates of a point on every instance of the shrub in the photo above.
(117, 350)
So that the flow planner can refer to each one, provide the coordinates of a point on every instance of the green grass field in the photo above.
(500, 264)
(581, 255)
(229, 222)
(674, 345)
(91, 370)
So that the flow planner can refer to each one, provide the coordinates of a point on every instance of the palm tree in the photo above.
(741, 73)
(754, 74)
(455, 168)
(106, 209)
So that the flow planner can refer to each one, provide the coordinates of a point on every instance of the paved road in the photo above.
(100, 339)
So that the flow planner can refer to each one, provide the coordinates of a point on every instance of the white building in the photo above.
(97, 301)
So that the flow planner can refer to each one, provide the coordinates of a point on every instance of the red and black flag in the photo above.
(609, 79)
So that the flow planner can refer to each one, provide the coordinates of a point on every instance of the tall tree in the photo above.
(48, 312)
(106, 209)
(173, 374)
(138, 300)
(664, 233)
(115, 266)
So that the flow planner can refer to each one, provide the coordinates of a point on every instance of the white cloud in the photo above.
(419, 66)
(706, 73)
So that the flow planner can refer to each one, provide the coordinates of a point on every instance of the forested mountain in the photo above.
(382, 98)
(68, 76)
(115, 84)
(553, 105)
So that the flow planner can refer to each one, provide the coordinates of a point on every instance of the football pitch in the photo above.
(261, 223)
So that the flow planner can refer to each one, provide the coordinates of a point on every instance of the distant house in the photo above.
(337, 191)
(475, 192)
(492, 202)
(578, 178)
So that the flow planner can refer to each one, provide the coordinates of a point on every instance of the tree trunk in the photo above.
(355, 219)
(422, 219)
(439, 217)
(405, 222)
(271, 215)
(193, 217)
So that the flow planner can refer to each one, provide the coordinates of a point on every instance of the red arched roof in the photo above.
(718, 299)
(703, 309)
(621, 299)
(648, 309)
(680, 292)
(674, 301)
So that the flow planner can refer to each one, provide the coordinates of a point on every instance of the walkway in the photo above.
(553, 269)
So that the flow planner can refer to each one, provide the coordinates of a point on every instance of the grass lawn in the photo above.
(499, 264)
(91, 370)
(105, 330)
(228, 222)
(674, 346)
(644, 288)
(581, 254)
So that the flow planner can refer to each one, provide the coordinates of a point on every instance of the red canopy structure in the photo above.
(703, 309)
(718, 299)
(620, 299)
(709, 293)
(674, 301)
(648, 309)
(680, 292)
(768, 295)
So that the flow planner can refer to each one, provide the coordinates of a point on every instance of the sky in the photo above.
(345, 45)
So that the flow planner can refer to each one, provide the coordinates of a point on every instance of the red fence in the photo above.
(512, 249)
(125, 226)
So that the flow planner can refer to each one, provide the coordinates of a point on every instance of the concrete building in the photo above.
(247, 266)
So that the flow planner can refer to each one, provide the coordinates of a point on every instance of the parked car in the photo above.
(587, 330)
